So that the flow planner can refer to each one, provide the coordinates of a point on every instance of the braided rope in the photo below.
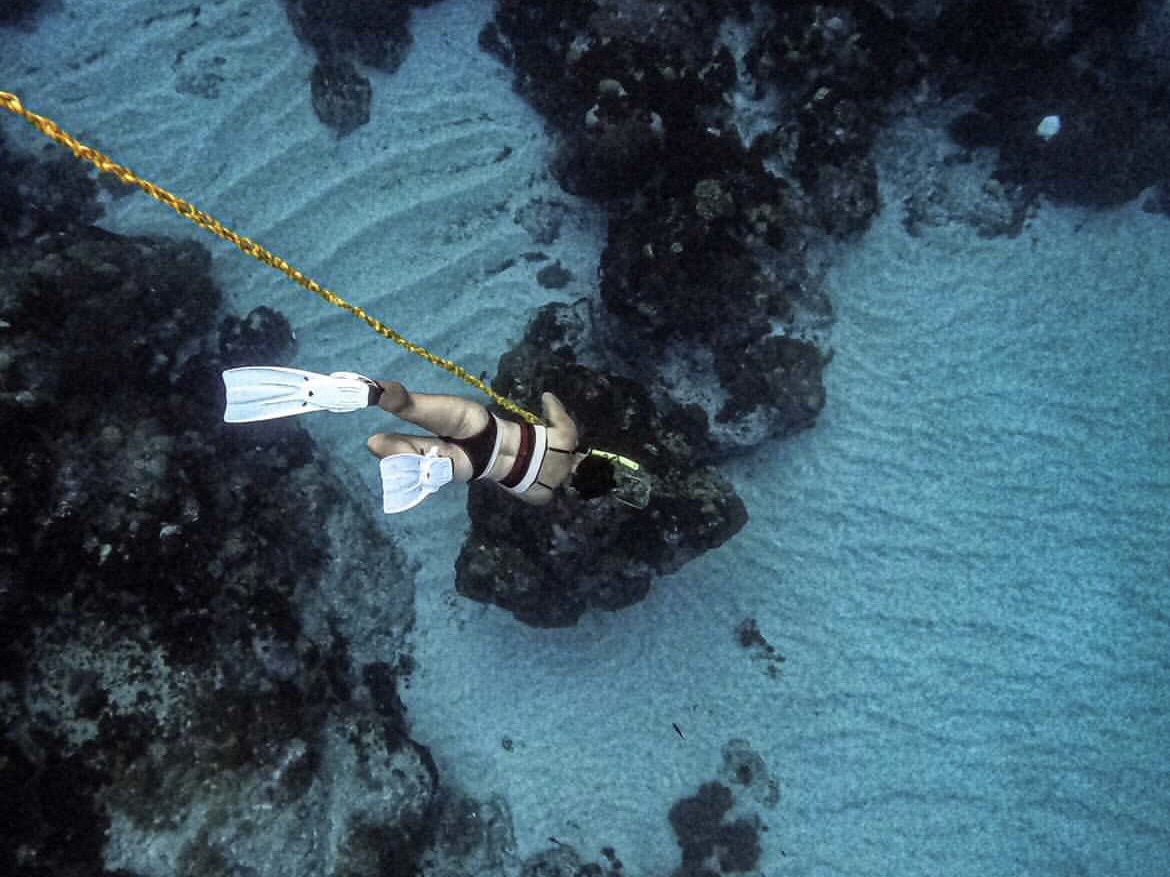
(246, 245)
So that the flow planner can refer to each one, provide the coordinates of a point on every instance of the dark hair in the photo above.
(593, 477)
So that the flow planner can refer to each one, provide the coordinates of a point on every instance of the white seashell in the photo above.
(1049, 127)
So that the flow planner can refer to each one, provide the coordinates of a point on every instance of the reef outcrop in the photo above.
(18, 11)
(547, 565)
(192, 668)
(347, 36)
(1100, 70)
(728, 142)
(707, 291)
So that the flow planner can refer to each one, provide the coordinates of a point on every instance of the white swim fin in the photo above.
(269, 391)
(408, 479)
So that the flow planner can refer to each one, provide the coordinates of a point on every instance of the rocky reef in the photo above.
(705, 335)
(18, 11)
(717, 829)
(346, 35)
(1098, 69)
(548, 565)
(708, 295)
(195, 669)
(725, 176)
(203, 640)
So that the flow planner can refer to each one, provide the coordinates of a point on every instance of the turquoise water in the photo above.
(975, 544)
(965, 565)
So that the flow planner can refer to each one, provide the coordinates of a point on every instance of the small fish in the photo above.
(678, 730)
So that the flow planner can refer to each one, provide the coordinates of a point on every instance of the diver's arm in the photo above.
(558, 418)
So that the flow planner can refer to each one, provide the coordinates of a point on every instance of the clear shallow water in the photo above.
(977, 531)
(965, 565)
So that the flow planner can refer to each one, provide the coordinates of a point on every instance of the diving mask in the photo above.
(632, 483)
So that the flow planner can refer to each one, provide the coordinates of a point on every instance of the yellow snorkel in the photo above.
(632, 483)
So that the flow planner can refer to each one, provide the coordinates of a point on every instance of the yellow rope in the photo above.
(189, 211)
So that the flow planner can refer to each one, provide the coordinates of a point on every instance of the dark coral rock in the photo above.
(381, 680)
(263, 336)
(620, 79)
(611, 157)
(839, 64)
(680, 266)
(389, 828)
(858, 49)
(1112, 143)
(569, 54)
(1013, 38)
(534, 40)
(18, 11)
(705, 256)
(1077, 60)
(834, 129)
(341, 95)
(738, 847)
(372, 32)
(687, 271)
(39, 196)
(1159, 200)
(370, 849)
(555, 276)
(49, 821)
(782, 374)
(702, 834)
(344, 34)
(548, 565)
(559, 861)
(114, 518)
(845, 196)
(108, 363)
(470, 836)
(104, 362)
(153, 565)
(697, 821)
(562, 860)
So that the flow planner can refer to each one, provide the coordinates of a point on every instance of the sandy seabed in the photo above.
(964, 565)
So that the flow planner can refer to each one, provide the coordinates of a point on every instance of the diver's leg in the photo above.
(439, 413)
(384, 444)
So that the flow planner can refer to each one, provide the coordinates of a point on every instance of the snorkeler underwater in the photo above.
(522, 458)
(736, 438)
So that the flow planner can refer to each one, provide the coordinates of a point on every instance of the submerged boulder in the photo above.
(346, 34)
(341, 96)
(705, 273)
(371, 32)
(18, 11)
(550, 564)
(195, 661)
